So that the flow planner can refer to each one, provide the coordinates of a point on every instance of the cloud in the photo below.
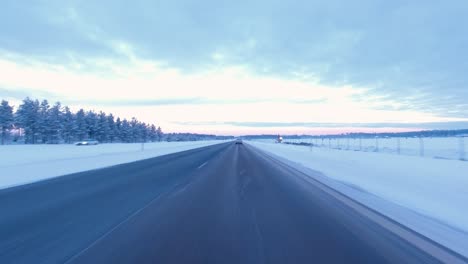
(412, 126)
(188, 101)
(407, 56)
(45, 29)
(143, 82)
(22, 94)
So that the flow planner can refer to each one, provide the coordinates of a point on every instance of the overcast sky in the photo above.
(244, 66)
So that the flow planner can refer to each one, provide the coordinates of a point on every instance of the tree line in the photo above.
(37, 121)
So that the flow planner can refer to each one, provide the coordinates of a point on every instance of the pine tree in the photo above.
(91, 124)
(56, 123)
(68, 125)
(126, 131)
(44, 121)
(135, 133)
(152, 133)
(80, 126)
(102, 127)
(27, 117)
(6, 119)
(144, 132)
(159, 133)
(118, 129)
(111, 124)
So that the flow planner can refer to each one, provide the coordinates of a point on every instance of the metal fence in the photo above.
(434, 147)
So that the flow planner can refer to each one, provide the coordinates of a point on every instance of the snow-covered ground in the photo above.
(429, 196)
(21, 164)
(440, 148)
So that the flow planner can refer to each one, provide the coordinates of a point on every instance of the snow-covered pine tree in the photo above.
(68, 125)
(6, 119)
(44, 121)
(126, 131)
(159, 133)
(152, 133)
(144, 132)
(80, 131)
(111, 124)
(102, 127)
(91, 124)
(118, 130)
(27, 117)
(135, 132)
(56, 123)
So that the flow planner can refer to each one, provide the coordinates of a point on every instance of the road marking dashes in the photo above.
(203, 165)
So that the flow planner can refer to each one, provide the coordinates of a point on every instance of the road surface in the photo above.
(225, 203)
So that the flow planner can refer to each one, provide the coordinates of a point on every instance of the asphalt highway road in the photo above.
(225, 203)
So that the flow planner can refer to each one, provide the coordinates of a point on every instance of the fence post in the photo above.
(347, 143)
(376, 144)
(461, 147)
(421, 147)
(329, 143)
(360, 143)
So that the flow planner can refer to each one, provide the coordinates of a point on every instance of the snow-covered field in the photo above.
(441, 148)
(21, 164)
(428, 195)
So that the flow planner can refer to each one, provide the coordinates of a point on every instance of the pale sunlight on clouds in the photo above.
(214, 97)
(301, 64)
(391, 60)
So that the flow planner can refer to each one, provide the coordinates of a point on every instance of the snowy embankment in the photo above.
(427, 195)
(22, 164)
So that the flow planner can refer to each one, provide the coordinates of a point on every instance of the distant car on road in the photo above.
(238, 141)
(89, 142)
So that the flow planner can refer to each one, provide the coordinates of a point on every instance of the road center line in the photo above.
(203, 165)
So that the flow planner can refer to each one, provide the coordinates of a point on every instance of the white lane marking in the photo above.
(77, 255)
(203, 165)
